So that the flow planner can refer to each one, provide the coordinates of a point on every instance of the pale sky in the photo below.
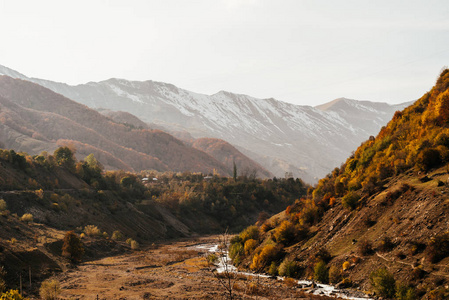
(303, 52)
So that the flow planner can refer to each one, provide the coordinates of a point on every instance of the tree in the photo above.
(383, 283)
(65, 158)
(50, 289)
(72, 247)
(235, 171)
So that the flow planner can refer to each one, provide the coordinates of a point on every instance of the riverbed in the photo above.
(175, 270)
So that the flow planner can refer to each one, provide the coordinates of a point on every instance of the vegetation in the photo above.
(12, 295)
(49, 289)
(72, 247)
(383, 283)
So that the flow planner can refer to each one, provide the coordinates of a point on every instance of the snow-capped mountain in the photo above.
(282, 137)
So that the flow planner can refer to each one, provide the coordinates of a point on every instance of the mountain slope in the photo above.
(386, 207)
(34, 118)
(280, 136)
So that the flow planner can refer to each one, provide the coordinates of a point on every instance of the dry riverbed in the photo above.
(166, 271)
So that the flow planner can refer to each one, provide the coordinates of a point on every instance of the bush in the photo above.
(236, 252)
(72, 247)
(92, 230)
(250, 245)
(27, 218)
(383, 283)
(285, 233)
(346, 265)
(252, 232)
(320, 272)
(334, 274)
(264, 258)
(49, 289)
(350, 200)
(12, 295)
(386, 244)
(273, 270)
(3, 205)
(117, 235)
(289, 268)
(428, 159)
(404, 292)
(365, 248)
(134, 245)
(438, 248)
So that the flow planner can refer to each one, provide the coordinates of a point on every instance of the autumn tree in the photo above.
(65, 158)
(72, 247)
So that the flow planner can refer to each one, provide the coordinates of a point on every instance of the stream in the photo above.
(225, 264)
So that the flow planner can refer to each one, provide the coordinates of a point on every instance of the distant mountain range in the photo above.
(281, 137)
(35, 119)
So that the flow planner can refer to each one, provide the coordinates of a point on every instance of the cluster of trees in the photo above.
(233, 202)
(416, 138)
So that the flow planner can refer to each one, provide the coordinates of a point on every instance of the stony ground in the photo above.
(166, 271)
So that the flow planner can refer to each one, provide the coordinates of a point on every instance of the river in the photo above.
(224, 264)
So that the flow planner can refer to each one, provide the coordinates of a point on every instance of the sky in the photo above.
(302, 52)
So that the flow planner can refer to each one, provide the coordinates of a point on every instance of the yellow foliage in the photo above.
(250, 245)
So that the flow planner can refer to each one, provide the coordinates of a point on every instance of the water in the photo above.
(225, 265)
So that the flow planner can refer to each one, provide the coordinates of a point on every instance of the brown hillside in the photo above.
(39, 117)
(386, 207)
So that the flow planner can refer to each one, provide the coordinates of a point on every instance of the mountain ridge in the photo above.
(34, 115)
(290, 136)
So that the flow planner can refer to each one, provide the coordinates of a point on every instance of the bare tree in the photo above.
(225, 274)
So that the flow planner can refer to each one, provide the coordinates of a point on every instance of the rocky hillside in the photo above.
(379, 221)
(281, 137)
(35, 119)
(44, 196)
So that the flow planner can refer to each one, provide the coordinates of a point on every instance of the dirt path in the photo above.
(170, 271)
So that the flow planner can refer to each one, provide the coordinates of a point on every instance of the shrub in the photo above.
(72, 247)
(428, 159)
(273, 270)
(250, 245)
(289, 268)
(27, 218)
(129, 240)
(236, 252)
(92, 230)
(320, 272)
(386, 244)
(404, 292)
(12, 295)
(117, 235)
(285, 233)
(252, 232)
(323, 254)
(49, 289)
(264, 258)
(349, 201)
(334, 274)
(3, 205)
(383, 283)
(134, 245)
(346, 265)
(365, 248)
(438, 248)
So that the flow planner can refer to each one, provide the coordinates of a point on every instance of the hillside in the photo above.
(34, 119)
(281, 137)
(379, 218)
(228, 154)
(44, 196)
